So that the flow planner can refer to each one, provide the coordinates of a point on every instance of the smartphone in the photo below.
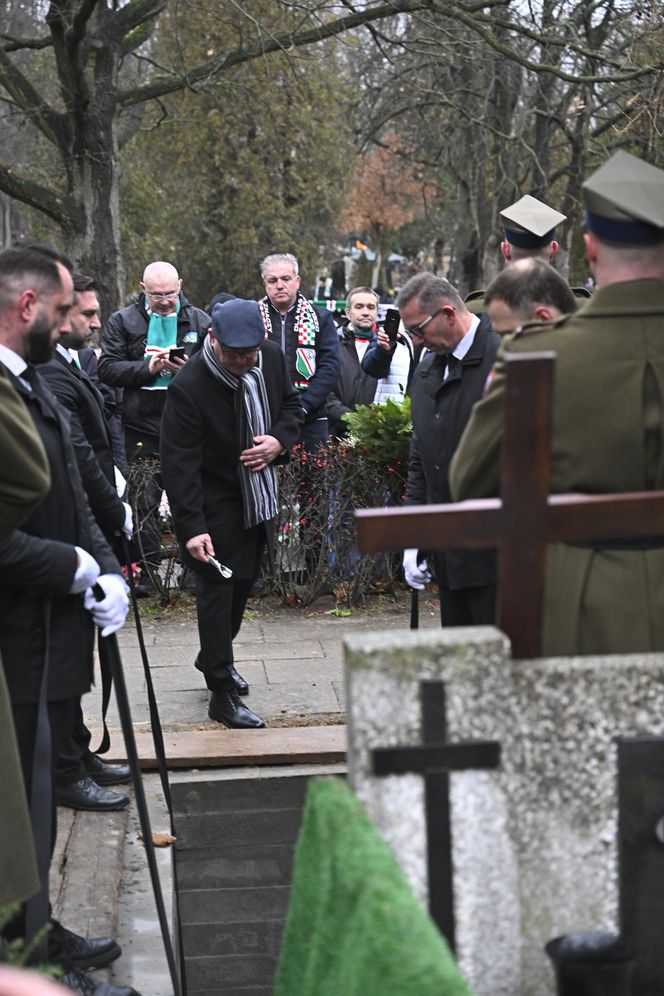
(177, 353)
(391, 323)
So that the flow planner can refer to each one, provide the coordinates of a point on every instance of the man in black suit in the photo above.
(48, 609)
(231, 413)
(447, 383)
(82, 776)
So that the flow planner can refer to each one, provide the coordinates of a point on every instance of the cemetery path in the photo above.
(293, 661)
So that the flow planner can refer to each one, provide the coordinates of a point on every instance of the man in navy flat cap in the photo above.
(230, 415)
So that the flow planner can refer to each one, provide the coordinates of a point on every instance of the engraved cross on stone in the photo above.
(527, 519)
(434, 760)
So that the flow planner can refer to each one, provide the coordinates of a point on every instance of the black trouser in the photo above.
(60, 716)
(70, 763)
(220, 607)
(468, 606)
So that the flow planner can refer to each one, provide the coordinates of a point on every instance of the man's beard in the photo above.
(39, 347)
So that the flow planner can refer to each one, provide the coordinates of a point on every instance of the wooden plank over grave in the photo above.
(230, 748)
(526, 519)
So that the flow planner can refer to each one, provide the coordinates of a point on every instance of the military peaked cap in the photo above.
(529, 223)
(624, 201)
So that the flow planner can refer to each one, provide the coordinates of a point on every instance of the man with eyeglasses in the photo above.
(447, 383)
(230, 416)
(138, 344)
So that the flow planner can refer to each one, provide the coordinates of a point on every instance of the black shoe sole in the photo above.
(116, 807)
(231, 726)
(101, 962)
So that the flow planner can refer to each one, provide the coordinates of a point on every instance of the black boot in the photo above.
(105, 773)
(226, 708)
(73, 951)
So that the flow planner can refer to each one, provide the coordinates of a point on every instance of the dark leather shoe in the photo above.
(85, 794)
(241, 686)
(72, 951)
(226, 708)
(104, 773)
(85, 985)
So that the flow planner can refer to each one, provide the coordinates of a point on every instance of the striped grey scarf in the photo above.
(259, 487)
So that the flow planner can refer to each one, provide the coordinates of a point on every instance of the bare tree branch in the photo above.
(12, 44)
(49, 202)
(159, 87)
(29, 100)
(136, 13)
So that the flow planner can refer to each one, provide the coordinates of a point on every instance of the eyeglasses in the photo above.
(417, 329)
(162, 295)
(240, 354)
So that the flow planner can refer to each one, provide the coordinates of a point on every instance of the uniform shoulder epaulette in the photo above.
(531, 327)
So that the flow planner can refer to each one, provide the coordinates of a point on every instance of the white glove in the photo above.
(110, 613)
(120, 482)
(128, 526)
(417, 574)
(87, 572)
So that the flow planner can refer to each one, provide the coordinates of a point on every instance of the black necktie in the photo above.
(30, 375)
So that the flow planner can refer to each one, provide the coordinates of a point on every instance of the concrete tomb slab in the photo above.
(534, 843)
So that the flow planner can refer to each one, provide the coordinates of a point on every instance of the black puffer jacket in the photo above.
(354, 387)
(314, 396)
(122, 362)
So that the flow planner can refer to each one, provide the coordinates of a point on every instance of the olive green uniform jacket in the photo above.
(608, 436)
(24, 481)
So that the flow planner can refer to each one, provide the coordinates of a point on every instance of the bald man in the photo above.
(143, 347)
(529, 290)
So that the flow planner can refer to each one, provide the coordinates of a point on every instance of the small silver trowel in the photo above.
(225, 572)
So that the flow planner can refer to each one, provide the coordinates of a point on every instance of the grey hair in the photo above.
(429, 289)
(280, 257)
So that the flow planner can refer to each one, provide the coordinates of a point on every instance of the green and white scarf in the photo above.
(162, 334)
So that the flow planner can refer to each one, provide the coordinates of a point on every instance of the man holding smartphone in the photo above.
(143, 347)
(357, 385)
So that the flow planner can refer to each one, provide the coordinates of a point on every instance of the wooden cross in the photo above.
(434, 760)
(527, 519)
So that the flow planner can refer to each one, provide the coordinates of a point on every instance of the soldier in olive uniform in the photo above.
(608, 418)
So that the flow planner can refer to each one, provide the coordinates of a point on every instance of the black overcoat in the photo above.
(92, 440)
(200, 456)
(440, 410)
